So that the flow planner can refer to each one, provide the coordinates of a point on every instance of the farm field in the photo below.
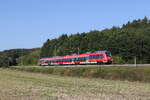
(19, 85)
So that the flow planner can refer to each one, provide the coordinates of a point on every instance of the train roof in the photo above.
(74, 56)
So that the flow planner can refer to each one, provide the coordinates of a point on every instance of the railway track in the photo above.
(121, 65)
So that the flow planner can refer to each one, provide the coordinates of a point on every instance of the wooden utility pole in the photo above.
(78, 50)
(135, 61)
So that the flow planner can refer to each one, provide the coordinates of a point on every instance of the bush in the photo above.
(118, 60)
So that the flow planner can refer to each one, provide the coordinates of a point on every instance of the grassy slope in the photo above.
(115, 73)
(17, 85)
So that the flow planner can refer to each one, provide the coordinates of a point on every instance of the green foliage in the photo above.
(117, 73)
(31, 58)
(13, 56)
(118, 60)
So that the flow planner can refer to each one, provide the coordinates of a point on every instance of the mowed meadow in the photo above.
(21, 85)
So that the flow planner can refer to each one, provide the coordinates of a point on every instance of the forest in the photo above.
(129, 41)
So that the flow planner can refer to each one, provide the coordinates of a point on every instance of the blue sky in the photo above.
(29, 23)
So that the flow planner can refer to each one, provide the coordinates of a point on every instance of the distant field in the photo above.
(18, 85)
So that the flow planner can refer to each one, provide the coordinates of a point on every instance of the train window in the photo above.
(80, 59)
(95, 56)
(53, 61)
(100, 56)
(64, 60)
(46, 61)
(67, 60)
(59, 60)
(70, 60)
(108, 54)
(91, 57)
(84, 58)
(74, 59)
(56, 60)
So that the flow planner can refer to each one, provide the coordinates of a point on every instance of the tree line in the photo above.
(15, 57)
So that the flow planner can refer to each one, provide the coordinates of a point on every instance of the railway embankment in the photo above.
(141, 74)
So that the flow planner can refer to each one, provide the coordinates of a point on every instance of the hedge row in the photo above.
(119, 73)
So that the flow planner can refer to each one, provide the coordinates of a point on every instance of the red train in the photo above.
(99, 57)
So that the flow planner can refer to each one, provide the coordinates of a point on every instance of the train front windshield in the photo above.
(108, 54)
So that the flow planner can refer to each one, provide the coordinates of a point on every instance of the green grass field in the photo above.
(19, 85)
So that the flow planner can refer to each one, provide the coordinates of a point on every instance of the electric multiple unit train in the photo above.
(99, 57)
